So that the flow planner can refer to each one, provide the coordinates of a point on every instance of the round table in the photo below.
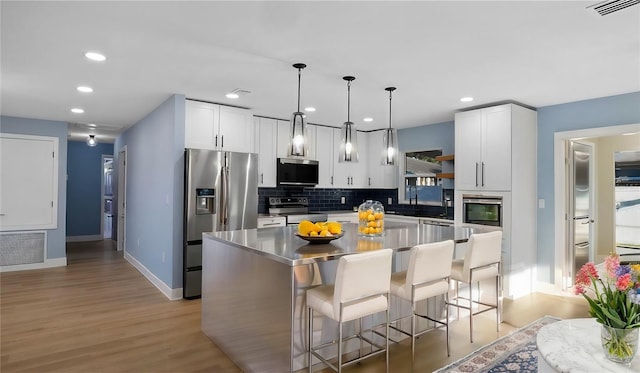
(574, 346)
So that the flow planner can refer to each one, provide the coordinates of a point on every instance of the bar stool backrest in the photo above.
(484, 249)
(429, 262)
(361, 275)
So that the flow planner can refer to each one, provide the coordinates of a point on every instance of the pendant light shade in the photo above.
(298, 127)
(348, 134)
(390, 139)
(91, 140)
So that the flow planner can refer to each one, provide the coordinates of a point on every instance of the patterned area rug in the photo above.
(516, 352)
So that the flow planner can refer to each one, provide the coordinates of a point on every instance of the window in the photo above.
(419, 174)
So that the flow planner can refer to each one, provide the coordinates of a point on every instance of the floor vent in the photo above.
(22, 248)
(608, 7)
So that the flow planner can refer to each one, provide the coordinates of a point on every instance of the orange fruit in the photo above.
(305, 227)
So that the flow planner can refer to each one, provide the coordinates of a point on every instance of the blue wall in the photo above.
(84, 179)
(155, 147)
(600, 112)
(429, 137)
(56, 238)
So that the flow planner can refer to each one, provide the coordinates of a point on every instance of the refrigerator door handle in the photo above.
(223, 213)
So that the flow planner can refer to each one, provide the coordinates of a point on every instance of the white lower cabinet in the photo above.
(272, 221)
(346, 217)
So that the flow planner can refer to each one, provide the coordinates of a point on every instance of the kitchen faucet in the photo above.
(415, 188)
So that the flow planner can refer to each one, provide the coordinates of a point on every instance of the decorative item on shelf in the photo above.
(348, 135)
(298, 126)
(614, 301)
(390, 139)
(371, 219)
(91, 140)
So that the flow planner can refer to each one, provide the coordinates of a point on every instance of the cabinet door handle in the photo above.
(216, 144)
(261, 178)
(222, 141)
(331, 180)
(369, 181)
(476, 174)
(482, 174)
(271, 224)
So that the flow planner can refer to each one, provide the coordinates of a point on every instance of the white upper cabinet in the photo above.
(340, 175)
(218, 127)
(266, 131)
(484, 151)
(383, 177)
(324, 154)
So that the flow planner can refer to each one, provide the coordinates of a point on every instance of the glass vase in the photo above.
(371, 219)
(620, 345)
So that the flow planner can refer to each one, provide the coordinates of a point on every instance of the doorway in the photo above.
(107, 197)
(122, 199)
(581, 204)
(603, 243)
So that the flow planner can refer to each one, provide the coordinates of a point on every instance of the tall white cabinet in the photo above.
(266, 130)
(496, 150)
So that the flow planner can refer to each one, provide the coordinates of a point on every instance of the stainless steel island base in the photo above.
(254, 286)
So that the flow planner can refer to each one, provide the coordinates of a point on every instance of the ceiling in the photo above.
(536, 53)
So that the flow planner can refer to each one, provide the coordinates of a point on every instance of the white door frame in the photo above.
(560, 188)
(102, 196)
(122, 200)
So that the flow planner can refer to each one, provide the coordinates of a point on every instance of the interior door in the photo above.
(580, 216)
(122, 199)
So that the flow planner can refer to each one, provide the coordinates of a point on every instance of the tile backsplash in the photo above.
(329, 199)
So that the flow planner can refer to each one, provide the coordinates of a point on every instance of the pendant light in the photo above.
(348, 134)
(390, 139)
(298, 127)
(91, 141)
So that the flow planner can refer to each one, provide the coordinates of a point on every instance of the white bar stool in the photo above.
(361, 288)
(426, 276)
(481, 261)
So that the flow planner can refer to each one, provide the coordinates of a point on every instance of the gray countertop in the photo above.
(282, 245)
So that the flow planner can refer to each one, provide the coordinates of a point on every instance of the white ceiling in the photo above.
(537, 53)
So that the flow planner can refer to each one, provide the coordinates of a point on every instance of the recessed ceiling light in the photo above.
(77, 110)
(630, 134)
(91, 125)
(466, 99)
(310, 109)
(368, 119)
(95, 56)
(232, 95)
(84, 89)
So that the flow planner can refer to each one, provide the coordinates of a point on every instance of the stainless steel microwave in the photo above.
(483, 210)
(292, 171)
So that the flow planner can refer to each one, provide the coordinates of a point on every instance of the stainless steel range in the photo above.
(295, 209)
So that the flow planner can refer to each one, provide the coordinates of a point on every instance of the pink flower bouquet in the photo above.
(614, 301)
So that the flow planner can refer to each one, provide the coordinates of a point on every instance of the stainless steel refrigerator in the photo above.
(221, 194)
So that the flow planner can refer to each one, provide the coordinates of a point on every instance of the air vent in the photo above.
(607, 7)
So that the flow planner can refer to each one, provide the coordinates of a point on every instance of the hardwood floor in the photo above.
(99, 314)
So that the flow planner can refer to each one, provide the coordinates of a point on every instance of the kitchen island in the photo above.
(254, 283)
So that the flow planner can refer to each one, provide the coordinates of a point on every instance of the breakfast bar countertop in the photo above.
(282, 245)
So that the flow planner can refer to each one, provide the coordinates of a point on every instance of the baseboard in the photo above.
(547, 288)
(171, 294)
(93, 237)
(48, 263)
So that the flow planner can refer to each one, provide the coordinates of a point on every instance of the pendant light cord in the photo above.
(348, 101)
(390, 109)
(299, 74)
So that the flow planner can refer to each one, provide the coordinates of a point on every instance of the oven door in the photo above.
(483, 211)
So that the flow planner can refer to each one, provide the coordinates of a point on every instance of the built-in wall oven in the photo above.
(483, 210)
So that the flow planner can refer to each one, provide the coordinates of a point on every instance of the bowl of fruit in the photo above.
(320, 232)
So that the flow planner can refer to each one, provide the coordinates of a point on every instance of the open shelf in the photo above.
(445, 175)
(445, 157)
